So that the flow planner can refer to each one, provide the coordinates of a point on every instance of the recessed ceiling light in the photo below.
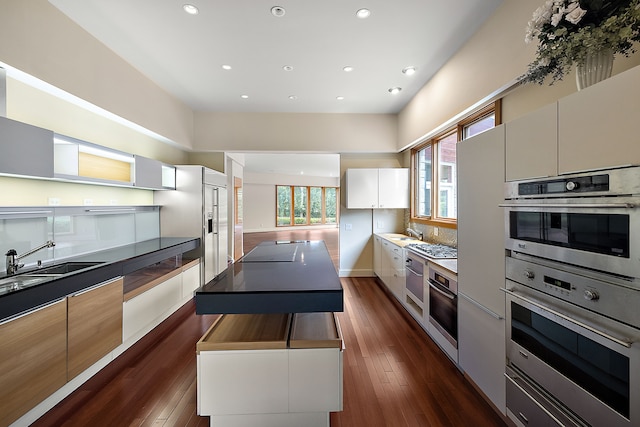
(363, 13)
(278, 11)
(348, 68)
(293, 97)
(409, 70)
(226, 67)
(287, 68)
(244, 96)
(395, 90)
(190, 9)
(339, 98)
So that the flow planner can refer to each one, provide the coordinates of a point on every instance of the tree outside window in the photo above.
(298, 205)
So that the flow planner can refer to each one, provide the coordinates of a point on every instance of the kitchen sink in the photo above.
(10, 284)
(61, 269)
(34, 277)
(403, 238)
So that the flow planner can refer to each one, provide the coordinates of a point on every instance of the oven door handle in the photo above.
(531, 398)
(434, 285)
(413, 271)
(575, 206)
(625, 342)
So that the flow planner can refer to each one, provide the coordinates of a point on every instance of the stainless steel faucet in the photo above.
(13, 257)
(414, 233)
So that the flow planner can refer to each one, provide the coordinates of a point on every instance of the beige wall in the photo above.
(30, 105)
(490, 62)
(356, 244)
(299, 132)
(38, 39)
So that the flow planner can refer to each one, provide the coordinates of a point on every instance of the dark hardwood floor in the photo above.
(394, 375)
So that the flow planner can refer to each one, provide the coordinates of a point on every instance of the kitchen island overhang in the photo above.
(275, 277)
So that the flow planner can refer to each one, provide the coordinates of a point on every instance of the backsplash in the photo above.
(445, 236)
(75, 230)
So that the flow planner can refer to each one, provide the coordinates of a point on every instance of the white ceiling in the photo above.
(316, 165)
(184, 54)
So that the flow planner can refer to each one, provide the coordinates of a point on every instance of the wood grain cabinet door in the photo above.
(33, 353)
(94, 325)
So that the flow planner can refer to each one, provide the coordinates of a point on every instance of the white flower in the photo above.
(556, 18)
(574, 13)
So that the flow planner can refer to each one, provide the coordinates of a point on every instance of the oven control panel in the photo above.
(587, 292)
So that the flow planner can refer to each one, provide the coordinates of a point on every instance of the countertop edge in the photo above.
(19, 302)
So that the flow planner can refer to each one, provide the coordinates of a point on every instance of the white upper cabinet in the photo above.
(393, 188)
(25, 149)
(595, 128)
(377, 188)
(598, 126)
(532, 144)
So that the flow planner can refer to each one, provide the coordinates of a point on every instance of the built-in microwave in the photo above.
(588, 220)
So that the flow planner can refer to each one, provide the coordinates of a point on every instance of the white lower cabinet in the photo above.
(481, 349)
(392, 267)
(190, 279)
(243, 382)
(272, 370)
(145, 311)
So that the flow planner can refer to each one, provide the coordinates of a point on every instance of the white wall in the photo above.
(259, 195)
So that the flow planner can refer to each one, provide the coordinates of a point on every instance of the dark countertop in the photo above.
(113, 263)
(275, 277)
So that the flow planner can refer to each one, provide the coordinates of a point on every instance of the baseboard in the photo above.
(364, 272)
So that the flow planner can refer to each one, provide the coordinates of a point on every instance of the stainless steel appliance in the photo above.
(414, 276)
(572, 292)
(433, 250)
(443, 310)
(572, 345)
(198, 208)
(583, 219)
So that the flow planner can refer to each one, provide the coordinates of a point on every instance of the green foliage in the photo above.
(568, 30)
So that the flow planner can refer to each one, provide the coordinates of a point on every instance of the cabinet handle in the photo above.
(523, 418)
(523, 391)
(574, 206)
(96, 286)
(481, 307)
(24, 212)
(31, 311)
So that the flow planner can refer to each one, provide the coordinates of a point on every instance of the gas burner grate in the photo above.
(433, 250)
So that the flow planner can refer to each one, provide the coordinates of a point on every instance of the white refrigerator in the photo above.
(198, 208)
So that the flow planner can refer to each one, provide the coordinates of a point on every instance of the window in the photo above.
(434, 187)
(306, 205)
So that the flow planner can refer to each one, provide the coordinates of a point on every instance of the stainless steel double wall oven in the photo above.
(573, 299)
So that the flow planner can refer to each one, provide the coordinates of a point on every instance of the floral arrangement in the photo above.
(568, 30)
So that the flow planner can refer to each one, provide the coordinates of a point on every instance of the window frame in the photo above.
(308, 222)
(458, 129)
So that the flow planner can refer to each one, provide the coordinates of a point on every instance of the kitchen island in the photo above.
(275, 356)
(275, 277)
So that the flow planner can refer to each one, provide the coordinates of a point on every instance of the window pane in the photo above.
(447, 205)
(284, 205)
(479, 126)
(300, 205)
(331, 202)
(423, 184)
(315, 205)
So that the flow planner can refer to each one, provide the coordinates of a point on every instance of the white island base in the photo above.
(270, 370)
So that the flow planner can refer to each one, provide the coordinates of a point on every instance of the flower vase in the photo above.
(597, 67)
